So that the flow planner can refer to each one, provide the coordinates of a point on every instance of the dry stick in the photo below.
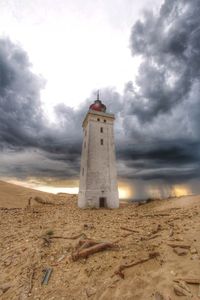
(161, 214)
(174, 245)
(93, 249)
(128, 229)
(122, 267)
(86, 243)
(66, 237)
(90, 241)
(150, 237)
(31, 280)
(171, 232)
(125, 235)
(188, 280)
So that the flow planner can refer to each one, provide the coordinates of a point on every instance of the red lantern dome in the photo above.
(98, 105)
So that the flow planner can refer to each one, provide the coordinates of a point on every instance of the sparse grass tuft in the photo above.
(49, 232)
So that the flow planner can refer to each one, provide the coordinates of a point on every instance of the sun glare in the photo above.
(125, 191)
(181, 190)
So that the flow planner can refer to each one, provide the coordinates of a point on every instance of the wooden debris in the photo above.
(5, 287)
(171, 232)
(180, 251)
(156, 228)
(85, 243)
(175, 245)
(184, 286)
(162, 215)
(83, 253)
(128, 229)
(193, 250)
(31, 280)
(125, 266)
(180, 291)
(188, 280)
(150, 237)
(176, 240)
(60, 258)
(68, 237)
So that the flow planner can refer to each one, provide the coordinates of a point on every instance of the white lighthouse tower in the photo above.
(98, 175)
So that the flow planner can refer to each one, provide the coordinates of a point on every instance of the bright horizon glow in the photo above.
(181, 190)
(123, 193)
(125, 189)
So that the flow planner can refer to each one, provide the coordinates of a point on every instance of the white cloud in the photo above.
(77, 45)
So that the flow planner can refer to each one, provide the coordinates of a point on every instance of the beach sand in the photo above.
(144, 239)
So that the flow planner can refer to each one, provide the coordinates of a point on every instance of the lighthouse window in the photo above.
(101, 141)
(101, 129)
(104, 121)
(98, 119)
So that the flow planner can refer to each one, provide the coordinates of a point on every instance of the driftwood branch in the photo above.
(85, 252)
(86, 243)
(125, 266)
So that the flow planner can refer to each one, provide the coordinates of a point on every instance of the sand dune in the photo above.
(14, 196)
(155, 245)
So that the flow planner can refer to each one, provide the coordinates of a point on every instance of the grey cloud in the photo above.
(23, 126)
(29, 144)
(170, 46)
(161, 109)
(20, 109)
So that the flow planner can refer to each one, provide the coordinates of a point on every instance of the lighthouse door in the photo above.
(102, 202)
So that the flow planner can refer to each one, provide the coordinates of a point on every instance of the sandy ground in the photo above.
(28, 245)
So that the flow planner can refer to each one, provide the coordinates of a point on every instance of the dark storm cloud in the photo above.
(20, 109)
(23, 126)
(170, 161)
(29, 144)
(170, 47)
(170, 153)
(162, 109)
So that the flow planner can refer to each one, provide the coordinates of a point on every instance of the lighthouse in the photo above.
(98, 175)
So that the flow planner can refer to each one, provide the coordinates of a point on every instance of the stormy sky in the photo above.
(157, 128)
